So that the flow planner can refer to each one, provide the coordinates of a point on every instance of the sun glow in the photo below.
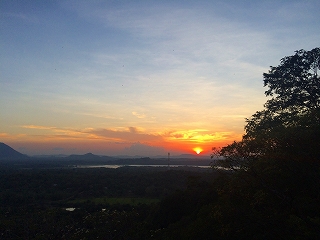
(198, 150)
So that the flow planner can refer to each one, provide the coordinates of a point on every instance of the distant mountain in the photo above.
(89, 156)
(50, 156)
(7, 153)
(84, 156)
(128, 156)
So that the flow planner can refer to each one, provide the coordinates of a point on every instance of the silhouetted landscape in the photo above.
(8, 153)
(69, 198)
(159, 120)
(266, 186)
(11, 158)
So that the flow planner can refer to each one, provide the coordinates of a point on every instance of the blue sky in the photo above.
(140, 76)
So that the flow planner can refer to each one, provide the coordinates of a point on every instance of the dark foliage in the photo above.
(33, 201)
(277, 163)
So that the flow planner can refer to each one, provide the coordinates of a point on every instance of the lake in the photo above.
(136, 165)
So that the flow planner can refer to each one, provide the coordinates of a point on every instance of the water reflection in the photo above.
(70, 209)
(134, 165)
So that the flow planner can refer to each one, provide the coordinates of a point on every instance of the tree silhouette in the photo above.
(276, 165)
(289, 125)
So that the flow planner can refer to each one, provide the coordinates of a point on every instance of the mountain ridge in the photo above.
(7, 153)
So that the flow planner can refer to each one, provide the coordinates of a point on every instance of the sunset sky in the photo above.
(140, 77)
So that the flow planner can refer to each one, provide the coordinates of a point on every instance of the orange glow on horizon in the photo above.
(198, 150)
(34, 139)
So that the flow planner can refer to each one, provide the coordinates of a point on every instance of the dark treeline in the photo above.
(34, 201)
(213, 204)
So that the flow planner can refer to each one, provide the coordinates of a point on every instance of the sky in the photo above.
(140, 77)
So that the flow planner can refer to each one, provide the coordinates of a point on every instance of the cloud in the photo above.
(133, 129)
(128, 134)
(7, 136)
(39, 127)
(56, 133)
(199, 136)
(180, 43)
(99, 115)
(138, 115)
(4, 135)
(195, 35)
(132, 134)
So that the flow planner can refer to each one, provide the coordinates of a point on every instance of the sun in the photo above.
(198, 150)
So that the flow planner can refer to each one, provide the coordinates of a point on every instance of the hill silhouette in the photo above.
(84, 156)
(7, 152)
(88, 156)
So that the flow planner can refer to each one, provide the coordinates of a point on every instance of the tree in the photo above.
(294, 83)
(277, 162)
(289, 125)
